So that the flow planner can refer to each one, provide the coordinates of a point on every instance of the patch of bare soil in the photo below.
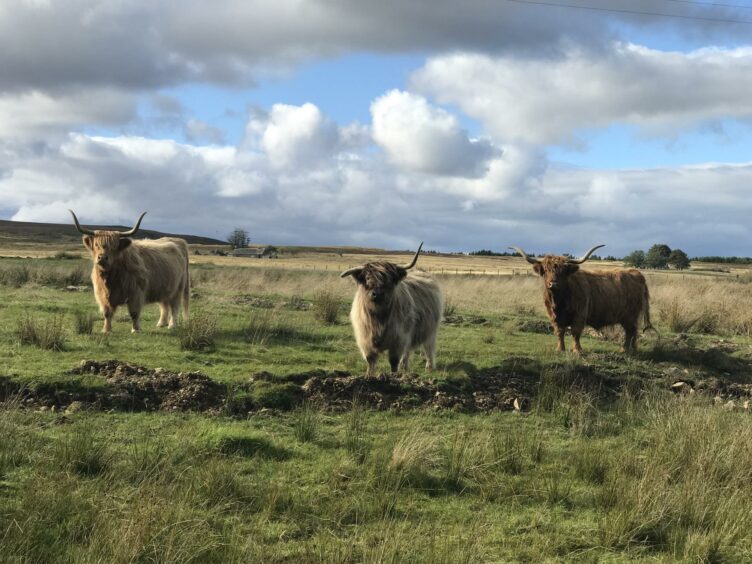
(125, 387)
(716, 372)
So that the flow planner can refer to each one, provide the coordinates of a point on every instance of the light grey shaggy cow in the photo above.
(395, 310)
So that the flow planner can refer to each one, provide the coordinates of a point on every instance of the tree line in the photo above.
(658, 256)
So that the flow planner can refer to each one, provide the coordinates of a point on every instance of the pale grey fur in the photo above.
(412, 321)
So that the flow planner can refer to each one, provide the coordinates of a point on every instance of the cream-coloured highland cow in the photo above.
(134, 273)
(395, 310)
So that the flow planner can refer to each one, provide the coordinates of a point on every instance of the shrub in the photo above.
(76, 277)
(15, 276)
(198, 333)
(48, 334)
(326, 306)
(450, 309)
(65, 255)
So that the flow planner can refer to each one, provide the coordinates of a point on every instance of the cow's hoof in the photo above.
(135, 330)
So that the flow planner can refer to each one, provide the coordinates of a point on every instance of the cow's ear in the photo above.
(401, 273)
(125, 242)
(572, 268)
(538, 268)
(88, 241)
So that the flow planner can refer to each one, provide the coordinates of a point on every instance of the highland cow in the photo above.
(575, 298)
(395, 310)
(135, 273)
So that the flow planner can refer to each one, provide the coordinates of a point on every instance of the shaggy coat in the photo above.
(575, 298)
(134, 273)
(396, 311)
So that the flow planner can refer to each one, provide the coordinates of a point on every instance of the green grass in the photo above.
(430, 487)
(588, 474)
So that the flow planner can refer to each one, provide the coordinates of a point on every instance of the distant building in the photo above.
(255, 252)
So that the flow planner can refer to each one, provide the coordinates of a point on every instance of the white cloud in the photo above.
(37, 114)
(363, 200)
(424, 138)
(298, 136)
(548, 100)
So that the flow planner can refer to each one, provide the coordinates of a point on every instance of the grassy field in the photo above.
(604, 464)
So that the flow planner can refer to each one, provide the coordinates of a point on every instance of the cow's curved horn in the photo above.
(415, 258)
(78, 225)
(587, 255)
(524, 255)
(135, 227)
(350, 272)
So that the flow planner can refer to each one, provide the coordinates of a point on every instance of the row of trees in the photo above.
(658, 256)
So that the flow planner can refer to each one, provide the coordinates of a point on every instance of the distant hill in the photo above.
(29, 232)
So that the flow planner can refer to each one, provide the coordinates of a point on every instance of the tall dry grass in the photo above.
(679, 303)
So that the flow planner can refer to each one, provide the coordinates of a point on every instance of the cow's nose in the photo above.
(552, 284)
(374, 294)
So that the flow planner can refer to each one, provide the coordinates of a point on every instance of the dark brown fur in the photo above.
(575, 298)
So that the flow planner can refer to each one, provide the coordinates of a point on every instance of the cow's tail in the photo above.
(646, 313)
(186, 291)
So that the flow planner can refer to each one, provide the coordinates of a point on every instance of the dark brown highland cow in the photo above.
(395, 310)
(134, 273)
(576, 298)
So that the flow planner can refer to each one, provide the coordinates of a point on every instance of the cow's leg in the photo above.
(134, 310)
(174, 310)
(371, 358)
(164, 314)
(394, 359)
(404, 365)
(108, 313)
(630, 338)
(430, 349)
(559, 332)
(576, 333)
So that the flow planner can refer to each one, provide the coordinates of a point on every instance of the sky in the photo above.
(468, 125)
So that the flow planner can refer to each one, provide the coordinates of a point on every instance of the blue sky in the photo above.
(381, 125)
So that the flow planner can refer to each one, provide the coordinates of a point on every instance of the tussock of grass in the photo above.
(326, 305)
(356, 440)
(306, 422)
(84, 322)
(47, 333)
(18, 275)
(198, 333)
(81, 452)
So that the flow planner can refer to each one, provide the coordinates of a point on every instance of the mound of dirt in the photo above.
(125, 387)
(716, 372)
(140, 389)
(487, 390)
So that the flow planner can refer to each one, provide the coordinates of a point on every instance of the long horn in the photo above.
(78, 225)
(415, 258)
(135, 227)
(524, 254)
(587, 255)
